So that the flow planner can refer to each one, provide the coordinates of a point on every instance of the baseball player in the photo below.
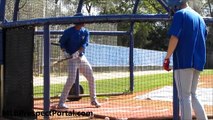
(187, 44)
(73, 43)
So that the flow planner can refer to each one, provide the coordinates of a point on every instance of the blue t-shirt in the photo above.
(73, 39)
(190, 29)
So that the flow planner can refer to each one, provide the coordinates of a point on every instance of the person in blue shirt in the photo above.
(187, 44)
(73, 43)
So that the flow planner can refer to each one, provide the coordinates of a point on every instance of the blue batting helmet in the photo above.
(175, 3)
(78, 15)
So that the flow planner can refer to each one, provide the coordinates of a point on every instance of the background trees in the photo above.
(209, 12)
(148, 35)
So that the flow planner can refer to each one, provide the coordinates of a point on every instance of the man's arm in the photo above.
(86, 39)
(81, 49)
(174, 32)
(85, 42)
(172, 45)
(63, 41)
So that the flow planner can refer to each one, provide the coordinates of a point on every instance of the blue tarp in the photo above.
(108, 55)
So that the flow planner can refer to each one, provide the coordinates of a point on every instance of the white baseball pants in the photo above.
(186, 81)
(84, 68)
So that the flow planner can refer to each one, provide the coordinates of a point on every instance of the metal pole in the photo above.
(77, 92)
(131, 62)
(94, 19)
(2, 10)
(16, 10)
(2, 19)
(1, 73)
(164, 5)
(46, 69)
(108, 33)
(80, 5)
(175, 100)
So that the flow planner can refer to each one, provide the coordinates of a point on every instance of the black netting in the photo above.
(18, 78)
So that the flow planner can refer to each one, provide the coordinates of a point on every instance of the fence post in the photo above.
(1, 73)
(2, 18)
(16, 10)
(2, 10)
(46, 69)
(80, 4)
(131, 50)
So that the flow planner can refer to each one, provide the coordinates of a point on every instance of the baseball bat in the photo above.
(59, 61)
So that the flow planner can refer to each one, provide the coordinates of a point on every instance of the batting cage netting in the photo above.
(153, 87)
(130, 82)
(18, 72)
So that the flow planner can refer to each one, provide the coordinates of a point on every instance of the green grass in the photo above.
(149, 82)
(141, 83)
(207, 72)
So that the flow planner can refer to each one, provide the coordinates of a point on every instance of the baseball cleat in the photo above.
(63, 106)
(96, 104)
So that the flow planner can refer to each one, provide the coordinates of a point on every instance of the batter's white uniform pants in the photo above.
(85, 68)
(186, 81)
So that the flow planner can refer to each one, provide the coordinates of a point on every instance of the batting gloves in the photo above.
(75, 55)
(166, 64)
(66, 55)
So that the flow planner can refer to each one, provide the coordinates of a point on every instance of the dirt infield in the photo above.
(119, 108)
(122, 107)
(206, 81)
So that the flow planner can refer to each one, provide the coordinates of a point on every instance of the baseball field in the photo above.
(151, 99)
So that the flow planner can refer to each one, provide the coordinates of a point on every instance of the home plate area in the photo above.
(149, 105)
(121, 107)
